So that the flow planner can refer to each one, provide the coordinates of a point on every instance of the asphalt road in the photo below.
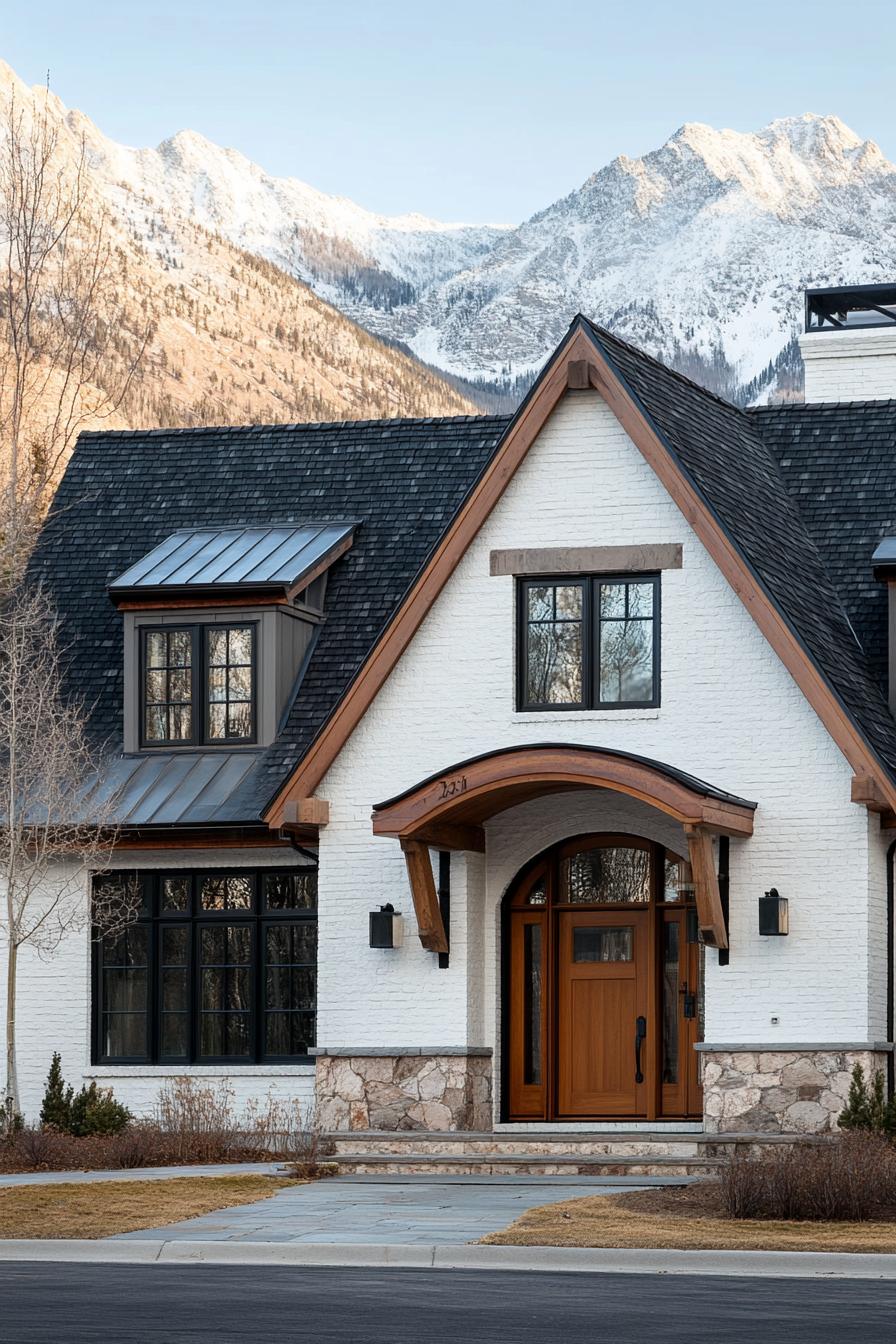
(131, 1304)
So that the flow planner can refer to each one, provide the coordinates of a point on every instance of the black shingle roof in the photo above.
(123, 492)
(839, 466)
(804, 493)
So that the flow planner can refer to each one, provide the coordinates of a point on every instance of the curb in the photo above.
(528, 1259)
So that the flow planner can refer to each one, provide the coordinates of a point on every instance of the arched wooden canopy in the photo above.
(447, 811)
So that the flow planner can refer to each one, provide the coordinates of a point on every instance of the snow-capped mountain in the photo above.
(347, 253)
(699, 252)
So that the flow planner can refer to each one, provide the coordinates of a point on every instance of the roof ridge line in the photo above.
(822, 405)
(293, 425)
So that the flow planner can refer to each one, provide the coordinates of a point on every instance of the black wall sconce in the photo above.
(773, 917)
(692, 926)
(386, 927)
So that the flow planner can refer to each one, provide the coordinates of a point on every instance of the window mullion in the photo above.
(198, 682)
(593, 643)
(154, 978)
(259, 971)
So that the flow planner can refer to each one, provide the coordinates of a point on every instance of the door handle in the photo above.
(689, 1006)
(640, 1033)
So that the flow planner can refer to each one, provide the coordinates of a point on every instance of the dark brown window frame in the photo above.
(155, 920)
(591, 634)
(199, 700)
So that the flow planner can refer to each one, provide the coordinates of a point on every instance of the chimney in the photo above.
(849, 345)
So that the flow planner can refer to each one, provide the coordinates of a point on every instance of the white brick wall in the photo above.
(730, 714)
(850, 365)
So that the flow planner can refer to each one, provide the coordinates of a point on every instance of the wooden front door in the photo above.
(602, 984)
(601, 1013)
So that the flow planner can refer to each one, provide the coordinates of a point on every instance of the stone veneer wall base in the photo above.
(445, 1090)
(791, 1089)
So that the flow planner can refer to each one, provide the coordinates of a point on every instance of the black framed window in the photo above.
(218, 967)
(589, 642)
(198, 684)
(229, 673)
(168, 700)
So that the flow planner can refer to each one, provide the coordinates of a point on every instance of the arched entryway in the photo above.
(447, 811)
(602, 998)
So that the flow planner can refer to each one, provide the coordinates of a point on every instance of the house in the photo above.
(496, 771)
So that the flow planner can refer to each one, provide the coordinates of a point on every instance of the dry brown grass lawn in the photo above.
(105, 1208)
(684, 1218)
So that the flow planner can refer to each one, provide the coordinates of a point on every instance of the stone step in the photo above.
(522, 1163)
(638, 1144)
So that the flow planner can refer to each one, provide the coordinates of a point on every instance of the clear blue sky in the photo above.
(470, 109)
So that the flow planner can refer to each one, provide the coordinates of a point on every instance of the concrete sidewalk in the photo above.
(524, 1259)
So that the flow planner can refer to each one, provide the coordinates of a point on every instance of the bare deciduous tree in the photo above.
(59, 311)
(57, 806)
(58, 319)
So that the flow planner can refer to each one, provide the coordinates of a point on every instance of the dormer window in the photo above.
(219, 623)
(198, 685)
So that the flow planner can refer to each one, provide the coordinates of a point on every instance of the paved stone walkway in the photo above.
(398, 1210)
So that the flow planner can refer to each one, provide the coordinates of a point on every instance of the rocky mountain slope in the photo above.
(232, 336)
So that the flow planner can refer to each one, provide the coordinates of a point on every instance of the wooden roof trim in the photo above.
(456, 802)
(517, 440)
(579, 362)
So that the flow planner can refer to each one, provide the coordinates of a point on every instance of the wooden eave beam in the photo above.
(867, 792)
(306, 812)
(430, 925)
(448, 835)
(710, 916)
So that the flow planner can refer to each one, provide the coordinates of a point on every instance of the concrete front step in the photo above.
(522, 1164)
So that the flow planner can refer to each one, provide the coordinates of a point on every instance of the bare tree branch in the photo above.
(56, 803)
(59, 320)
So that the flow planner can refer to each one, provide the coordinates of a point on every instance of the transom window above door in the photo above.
(198, 684)
(588, 642)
